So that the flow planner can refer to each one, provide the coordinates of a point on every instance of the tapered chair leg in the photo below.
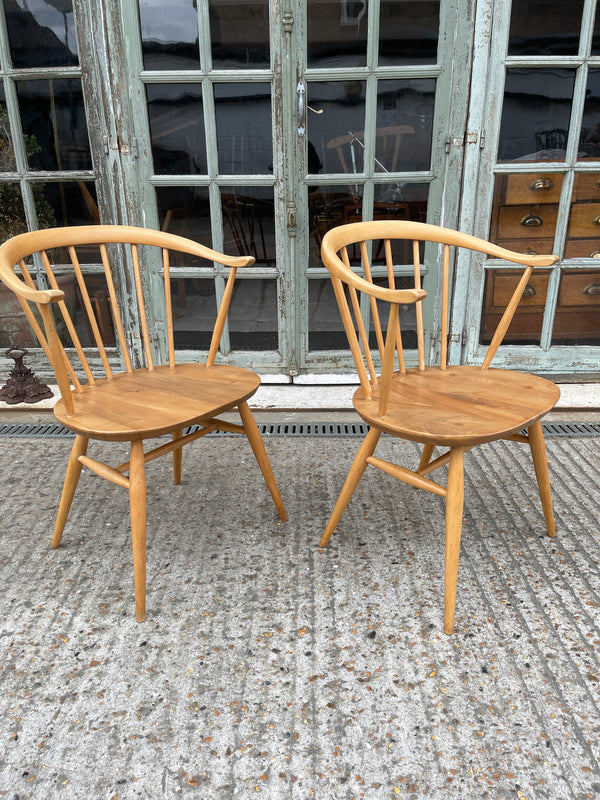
(540, 463)
(425, 456)
(137, 506)
(357, 470)
(177, 458)
(455, 491)
(74, 468)
(258, 448)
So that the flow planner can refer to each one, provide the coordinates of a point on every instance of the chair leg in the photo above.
(455, 491)
(137, 506)
(258, 448)
(540, 463)
(177, 458)
(356, 472)
(74, 468)
(426, 456)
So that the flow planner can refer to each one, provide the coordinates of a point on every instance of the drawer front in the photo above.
(537, 247)
(579, 289)
(587, 186)
(584, 221)
(583, 248)
(523, 189)
(527, 222)
(504, 283)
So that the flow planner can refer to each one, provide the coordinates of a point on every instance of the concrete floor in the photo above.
(269, 667)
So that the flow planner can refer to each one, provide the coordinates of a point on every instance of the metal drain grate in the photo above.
(54, 430)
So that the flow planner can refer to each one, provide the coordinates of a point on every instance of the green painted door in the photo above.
(534, 186)
(258, 125)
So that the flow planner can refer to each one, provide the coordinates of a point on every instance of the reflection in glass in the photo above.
(65, 203)
(577, 318)
(194, 304)
(7, 153)
(243, 120)
(325, 327)
(169, 34)
(177, 128)
(12, 212)
(526, 325)
(253, 323)
(408, 31)
(42, 37)
(536, 114)
(53, 117)
(185, 210)
(239, 33)
(525, 211)
(329, 206)
(99, 299)
(545, 29)
(336, 136)
(337, 33)
(589, 142)
(404, 124)
(399, 200)
(249, 222)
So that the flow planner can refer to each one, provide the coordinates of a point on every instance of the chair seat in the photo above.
(459, 406)
(145, 403)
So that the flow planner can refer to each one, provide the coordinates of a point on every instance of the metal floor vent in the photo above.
(54, 430)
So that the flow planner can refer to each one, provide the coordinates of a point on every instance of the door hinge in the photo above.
(469, 138)
(287, 20)
(120, 147)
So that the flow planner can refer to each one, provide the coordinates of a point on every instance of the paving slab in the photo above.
(268, 667)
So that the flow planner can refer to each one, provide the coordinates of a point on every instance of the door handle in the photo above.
(301, 109)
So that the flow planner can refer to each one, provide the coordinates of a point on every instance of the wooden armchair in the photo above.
(455, 407)
(140, 402)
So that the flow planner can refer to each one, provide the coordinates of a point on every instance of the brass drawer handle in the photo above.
(533, 221)
(529, 291)
(594, 254)
(596, 220)
(541, 185)
(592, 289)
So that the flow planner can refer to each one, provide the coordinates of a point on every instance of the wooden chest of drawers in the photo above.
(524, 219)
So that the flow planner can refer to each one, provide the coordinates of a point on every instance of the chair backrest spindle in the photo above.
(135, 254)
(114, 306)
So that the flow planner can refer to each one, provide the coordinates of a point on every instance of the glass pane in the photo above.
(404, 125)
(177, 128)
(65, 203)
(12, 213)
(243, 119)
(583, 232)
(98, 293)
(336, 136)
(239, 33)
(526, 325)
(589, 142)
(337, 33)
(545, 29)
(408, 31)
(253, 315)
(15, 330)
(401, 201)
(577, 318)
(169, 34)
(185, 210)
(325, 327)
(536, 114)
(7, 153)
(54, 122)
(194, 304)
(332, 206)
(596, 34)
(525, 211)
(41, 34)
(249, 222)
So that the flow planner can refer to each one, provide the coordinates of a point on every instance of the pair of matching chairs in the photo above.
(455, 407)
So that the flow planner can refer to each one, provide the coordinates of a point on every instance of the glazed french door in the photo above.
(258, 125)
